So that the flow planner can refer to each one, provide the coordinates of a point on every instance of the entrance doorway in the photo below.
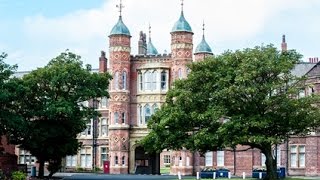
(146, 163)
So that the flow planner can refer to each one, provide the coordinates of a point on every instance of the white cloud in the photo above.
(86, 31)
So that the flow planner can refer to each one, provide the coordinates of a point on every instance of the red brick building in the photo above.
(138, 89)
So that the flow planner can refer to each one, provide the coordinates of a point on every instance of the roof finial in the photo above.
(149, 32)
(203, 28)
(283, 38)
(181, 5)
(120, 6)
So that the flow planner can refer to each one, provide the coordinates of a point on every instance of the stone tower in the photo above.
(119, 105)
(203, 50)
(181, 47)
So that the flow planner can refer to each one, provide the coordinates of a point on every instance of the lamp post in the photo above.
(95, 103)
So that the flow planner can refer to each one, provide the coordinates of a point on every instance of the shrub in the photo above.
(18, 175)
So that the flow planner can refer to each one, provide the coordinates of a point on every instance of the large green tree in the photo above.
(52, 107)
(246, 97)
(11, 124)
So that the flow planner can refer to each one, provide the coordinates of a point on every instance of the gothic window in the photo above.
(147, 113)
(116, 118)
(163, 80)
(116, 160)
(188, 71)
(123, 118)
(116, 81)
(124, 80)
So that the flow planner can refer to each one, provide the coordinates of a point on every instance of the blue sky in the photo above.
(34, 31)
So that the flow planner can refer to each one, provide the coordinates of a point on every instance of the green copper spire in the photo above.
(120, 28)
(181, 25)
(151, 50)
(203, 47)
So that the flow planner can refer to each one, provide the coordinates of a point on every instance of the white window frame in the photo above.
(208, 158)
(220, 158)
(116, 117)
(297, 156)
(71, 161)
(124, 80)
(85, 157)
(104, 127)
(104, 153)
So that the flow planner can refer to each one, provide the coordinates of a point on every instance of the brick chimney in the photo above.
(314, 60)
(103, 62)
(283, 44)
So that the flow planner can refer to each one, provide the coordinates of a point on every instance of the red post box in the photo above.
(106, 167)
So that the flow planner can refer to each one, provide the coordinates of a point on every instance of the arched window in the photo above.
(123, 160)
(116, 160)
(123, 118)
(163, 84)
(116, 118)
(188, 71)
(124, 80)
(116, 80)
(180, 73)
(147, 113)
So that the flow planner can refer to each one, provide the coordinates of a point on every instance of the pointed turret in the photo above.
(151, 50)
(120, 28)
(203, 50)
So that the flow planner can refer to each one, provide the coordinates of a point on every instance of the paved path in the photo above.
(117, 177)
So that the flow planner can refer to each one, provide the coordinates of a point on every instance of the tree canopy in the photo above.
(51, 105)
(11, 123)
(247, 97)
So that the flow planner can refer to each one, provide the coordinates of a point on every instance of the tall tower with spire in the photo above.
(119, 103)
(181, 47)
(203, 50)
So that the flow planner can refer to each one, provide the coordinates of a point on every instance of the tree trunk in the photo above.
(41, 168)
(270, 164)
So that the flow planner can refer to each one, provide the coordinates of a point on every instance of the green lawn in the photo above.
(165, 170)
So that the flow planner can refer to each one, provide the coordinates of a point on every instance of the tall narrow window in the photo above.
(147, 80)
(220, 158)
(104, 127)
(116, 160)
(103, 155)
(123, 160)
(140, 114)
(147, 113)
(124, 80)
(85, 157)
(208, 159)
(153, 80)
(116, 118)
(163, 80)
(302, 156)
(123, 118)
(116, 80)
(263, 159)
(104, 102)
(179, 73)
(140, 81)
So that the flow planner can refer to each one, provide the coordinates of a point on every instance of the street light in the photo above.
(95, 103)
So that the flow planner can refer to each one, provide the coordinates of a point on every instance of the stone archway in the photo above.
(146, 163)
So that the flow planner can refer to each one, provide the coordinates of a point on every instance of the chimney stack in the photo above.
(314, 60)
(283, 44)
(103, 62)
